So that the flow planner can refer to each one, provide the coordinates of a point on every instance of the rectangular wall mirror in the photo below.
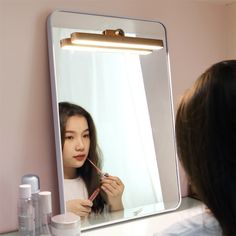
(126, 89)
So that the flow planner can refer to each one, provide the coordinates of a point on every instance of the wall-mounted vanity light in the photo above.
(111, 41)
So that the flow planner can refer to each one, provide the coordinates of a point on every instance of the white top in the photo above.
(200, 225)
(25, 191)
(75, 189)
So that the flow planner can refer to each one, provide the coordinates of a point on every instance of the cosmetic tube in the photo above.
(94, 194)
(45, 209)
(25, 211)
(66, 224)
(33, 180)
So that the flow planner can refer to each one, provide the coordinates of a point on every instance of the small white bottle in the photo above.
(25, 211)
(33, 180)
(45, 206)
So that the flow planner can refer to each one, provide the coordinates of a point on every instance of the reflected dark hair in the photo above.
(87, 171)
(206, 141)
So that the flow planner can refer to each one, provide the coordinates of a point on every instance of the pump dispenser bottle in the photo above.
(25, 211)
(33, 180)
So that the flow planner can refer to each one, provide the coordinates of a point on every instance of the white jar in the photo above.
(65, 224)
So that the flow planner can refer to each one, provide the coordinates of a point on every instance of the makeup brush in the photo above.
(98, 170)
(97, 190)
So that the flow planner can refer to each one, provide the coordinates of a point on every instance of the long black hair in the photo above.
(87, 171)
(206, 140)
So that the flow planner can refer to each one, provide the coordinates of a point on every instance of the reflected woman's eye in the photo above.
(69, 137)
(86, 135)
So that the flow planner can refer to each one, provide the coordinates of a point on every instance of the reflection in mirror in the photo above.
(126, 97)
(87, 190)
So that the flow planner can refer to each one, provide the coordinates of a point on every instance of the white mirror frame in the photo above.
(162, 117)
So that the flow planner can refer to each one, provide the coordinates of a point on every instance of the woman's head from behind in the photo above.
(206, 140)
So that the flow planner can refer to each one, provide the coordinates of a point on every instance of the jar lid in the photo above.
(68, 220)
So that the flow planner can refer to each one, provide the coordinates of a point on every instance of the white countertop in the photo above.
(148, 225)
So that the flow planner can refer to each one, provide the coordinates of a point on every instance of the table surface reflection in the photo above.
(188, 207)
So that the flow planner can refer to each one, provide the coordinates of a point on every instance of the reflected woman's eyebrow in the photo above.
(72, 131)
(85, 131)
(69, 131)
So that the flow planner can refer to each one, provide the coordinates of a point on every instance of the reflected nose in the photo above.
(79, 145)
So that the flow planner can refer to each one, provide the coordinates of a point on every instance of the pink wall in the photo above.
(196, 37)
(231, 31)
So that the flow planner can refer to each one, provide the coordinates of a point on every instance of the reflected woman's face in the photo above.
(77, 142)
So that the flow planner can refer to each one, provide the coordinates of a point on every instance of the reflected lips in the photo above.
(79, 157)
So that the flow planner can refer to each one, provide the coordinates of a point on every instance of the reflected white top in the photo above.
(200, 225)
(75, 189)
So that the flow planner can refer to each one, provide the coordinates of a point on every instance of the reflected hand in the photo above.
(114, 189)
(79, 207)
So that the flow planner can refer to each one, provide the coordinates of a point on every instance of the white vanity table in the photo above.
(147, 226)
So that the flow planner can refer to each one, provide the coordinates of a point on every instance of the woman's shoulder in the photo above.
(75, 189)
(200, 225)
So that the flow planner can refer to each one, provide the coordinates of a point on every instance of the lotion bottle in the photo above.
(25, 211)
(45, 205)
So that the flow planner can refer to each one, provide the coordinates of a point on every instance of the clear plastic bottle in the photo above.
(33, 180)
(25, 211)
(45, 205)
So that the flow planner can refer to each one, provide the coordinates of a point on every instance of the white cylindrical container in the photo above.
(33, 180)
(25, 211)
(45, 209)
(66, 224)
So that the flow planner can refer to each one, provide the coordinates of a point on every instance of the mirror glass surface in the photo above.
(129, 98)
